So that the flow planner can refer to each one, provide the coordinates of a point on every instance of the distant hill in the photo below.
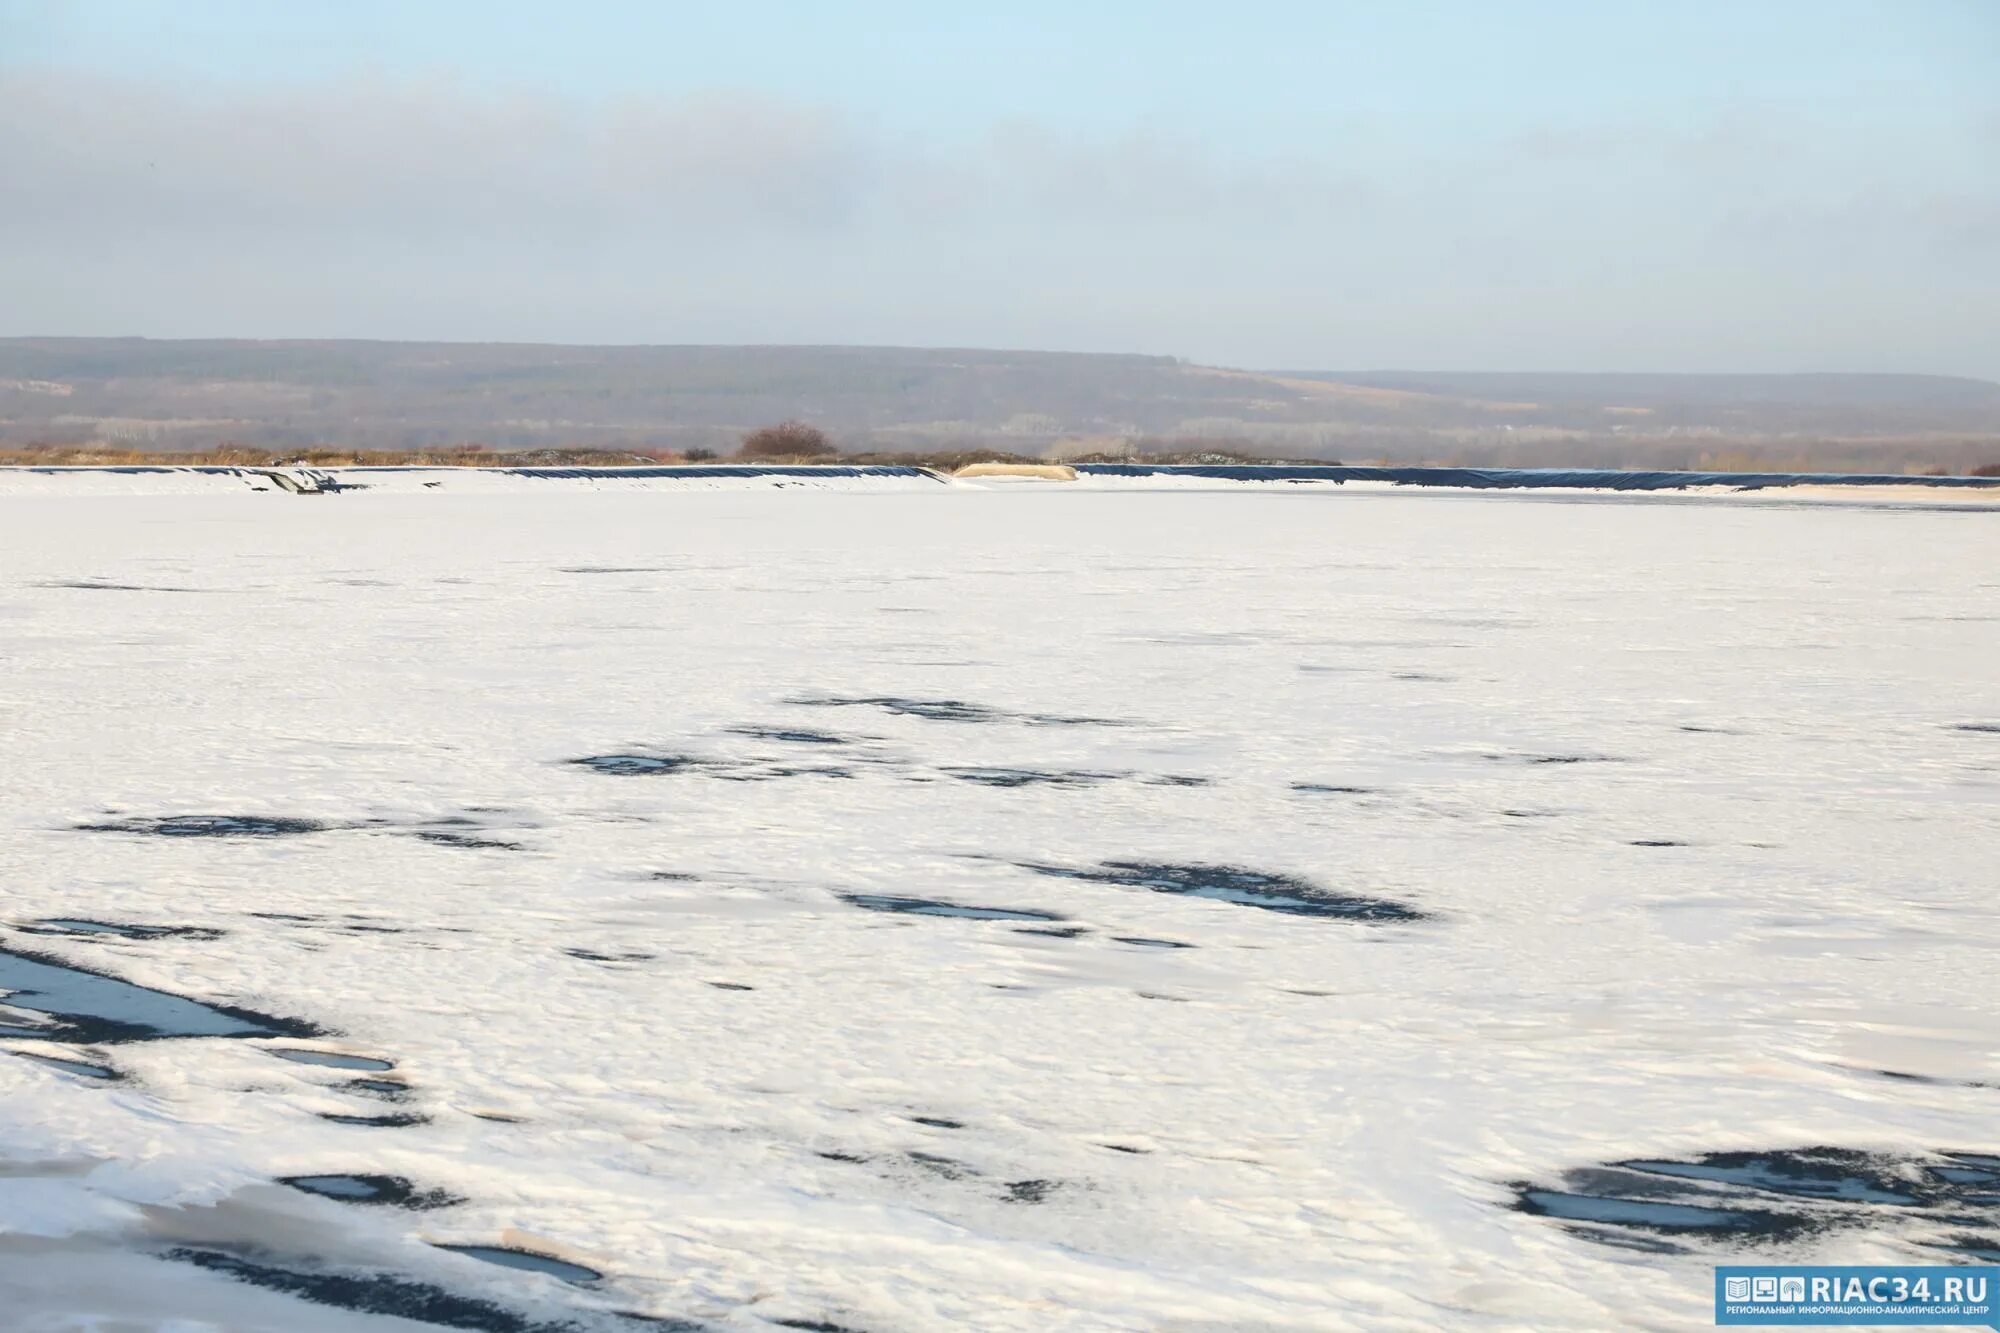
(192, 394)
(1837, 404)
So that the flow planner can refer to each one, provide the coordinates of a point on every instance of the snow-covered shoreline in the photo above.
(1537, 483)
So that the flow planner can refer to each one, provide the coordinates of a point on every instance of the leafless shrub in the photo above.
(787, 439)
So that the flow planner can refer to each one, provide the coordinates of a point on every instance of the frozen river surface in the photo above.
(1013, 909)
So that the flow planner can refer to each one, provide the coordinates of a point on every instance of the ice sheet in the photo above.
(1696, 808)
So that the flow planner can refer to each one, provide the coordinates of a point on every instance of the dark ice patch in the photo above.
(1332, 789)
(401, 1120)
(393, 1191)
(1029, 1191)
(1146, 942)
(951, 710)
(1032, 777)
(105, 585)
(593, 956)
(1778, 1195)
(1819, 1173)
(1234, 884)
(1990, 727)
(386, 1089)
(1979, 1249)
(210, 826)
(1054, 932)
(93, 1007)
(949, 1168)
(81, 1068)
(1656, 842)
(526, 1261)
(790, 735)
(883, 902)
(77, 927)
(1537, 760)
(937, 1122)
(614, 569)
(730, 985)
(454, 838)
(373, 1294)
(636, 765)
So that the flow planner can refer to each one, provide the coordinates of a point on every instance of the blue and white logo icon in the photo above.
(1828, 1296)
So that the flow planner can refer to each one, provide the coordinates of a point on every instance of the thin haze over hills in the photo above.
(137, 393)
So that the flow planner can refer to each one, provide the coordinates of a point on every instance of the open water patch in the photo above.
(1777, 1195)
(884, 902)
(641, 765)
(366, 1064)
(527, 1261)
(93, 1007)
(391, 1191)
(1234, 884)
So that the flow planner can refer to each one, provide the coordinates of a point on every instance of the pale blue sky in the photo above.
(1787, 185)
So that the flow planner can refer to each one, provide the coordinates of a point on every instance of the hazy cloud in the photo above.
(432, 209)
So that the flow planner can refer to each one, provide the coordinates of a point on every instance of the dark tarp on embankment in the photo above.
(724, 470)
(1487, 479)
(691, 470)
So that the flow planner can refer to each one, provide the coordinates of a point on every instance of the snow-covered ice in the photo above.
(917, 907)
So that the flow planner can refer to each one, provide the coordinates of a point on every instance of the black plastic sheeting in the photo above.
(545, 473)
(1492, 479)
(1472, 478)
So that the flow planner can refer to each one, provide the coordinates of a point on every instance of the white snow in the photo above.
(1327, 1114)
